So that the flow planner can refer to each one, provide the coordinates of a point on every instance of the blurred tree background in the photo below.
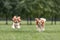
(30, 9)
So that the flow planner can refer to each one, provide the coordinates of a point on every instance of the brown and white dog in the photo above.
(40, 24)
(16, 22)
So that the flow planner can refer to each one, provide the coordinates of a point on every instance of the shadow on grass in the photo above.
(18, 31)
(27, 31)
(52, 31)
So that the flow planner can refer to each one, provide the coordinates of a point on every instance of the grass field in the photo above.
(29, 32)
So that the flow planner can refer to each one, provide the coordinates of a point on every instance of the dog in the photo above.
(40, 24)
(16, 22)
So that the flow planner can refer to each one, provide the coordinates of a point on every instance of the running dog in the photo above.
(16, 22)
(40, 24)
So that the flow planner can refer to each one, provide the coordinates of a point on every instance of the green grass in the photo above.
(29, 32)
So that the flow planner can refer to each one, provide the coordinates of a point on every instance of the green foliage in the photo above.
(33, 8)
